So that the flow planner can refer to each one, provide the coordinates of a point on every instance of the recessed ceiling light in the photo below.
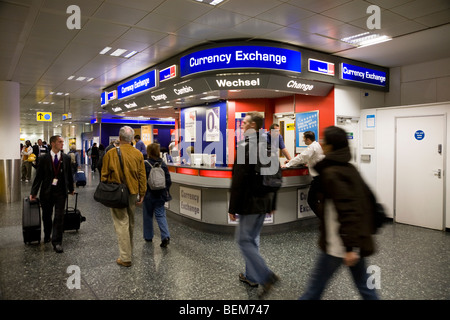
(132, 53)
(164, 107)
(105, 50)
(366, 39)
(80, 78)
(118, 52)
(211, 2)
(70, 78)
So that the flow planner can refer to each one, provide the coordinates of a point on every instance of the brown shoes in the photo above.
(123, 263)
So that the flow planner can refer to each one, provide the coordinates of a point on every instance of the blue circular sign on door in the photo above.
(419, 135)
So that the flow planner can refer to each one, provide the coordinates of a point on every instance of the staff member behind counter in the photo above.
(310, 157)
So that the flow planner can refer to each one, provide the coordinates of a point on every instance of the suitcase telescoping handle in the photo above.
(76, 201)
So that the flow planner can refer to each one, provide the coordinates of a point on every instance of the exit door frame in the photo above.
(444, 164)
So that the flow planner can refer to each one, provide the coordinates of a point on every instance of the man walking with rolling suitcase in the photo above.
(54, 179)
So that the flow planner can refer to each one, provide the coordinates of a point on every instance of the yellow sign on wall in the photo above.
(290, 126)
(43, 116)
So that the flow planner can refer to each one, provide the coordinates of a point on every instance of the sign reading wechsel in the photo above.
(137, 85)
(363, 75)
(259, 57)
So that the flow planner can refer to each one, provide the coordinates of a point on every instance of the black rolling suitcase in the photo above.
(31, 221)
(72, 216)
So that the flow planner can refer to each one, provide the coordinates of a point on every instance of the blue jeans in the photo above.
(154, 207)
(247, 235)
(326, 266)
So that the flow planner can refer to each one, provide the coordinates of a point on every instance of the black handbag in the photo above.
(113, 195)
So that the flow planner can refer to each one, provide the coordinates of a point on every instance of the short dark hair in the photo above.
(137, 137)
(257, 118)
(309, 135)
(336, 137)
(54, 138)
(273, 126)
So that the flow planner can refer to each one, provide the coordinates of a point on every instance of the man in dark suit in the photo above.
(54, 178)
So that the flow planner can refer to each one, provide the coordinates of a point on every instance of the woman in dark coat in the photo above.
(345, 209)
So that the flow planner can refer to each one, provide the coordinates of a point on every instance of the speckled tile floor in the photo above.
(414, 262)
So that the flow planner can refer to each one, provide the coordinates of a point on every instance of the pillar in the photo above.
(10, 150)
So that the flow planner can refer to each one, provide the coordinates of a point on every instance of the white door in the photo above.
(419, 192)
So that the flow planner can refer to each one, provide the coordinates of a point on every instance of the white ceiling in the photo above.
(40, 52)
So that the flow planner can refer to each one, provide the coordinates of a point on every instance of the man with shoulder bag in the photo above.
(127, 169)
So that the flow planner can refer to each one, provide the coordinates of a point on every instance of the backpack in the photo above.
(157, 177)
(268, 178)
(73, 158)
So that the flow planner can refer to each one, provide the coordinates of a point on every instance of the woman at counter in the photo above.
(154, 199)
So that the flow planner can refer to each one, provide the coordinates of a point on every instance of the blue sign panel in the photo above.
(322, 67)
(241, 57)
(419, 135)
(103, 100)
(137, 85)
(363, 75)
(167, 73)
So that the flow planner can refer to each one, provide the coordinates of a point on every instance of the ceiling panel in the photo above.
(119, 14)
(285, 14)
(41, 53)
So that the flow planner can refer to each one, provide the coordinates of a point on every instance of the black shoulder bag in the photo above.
(113, 195)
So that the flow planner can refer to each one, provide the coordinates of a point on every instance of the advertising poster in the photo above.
(147, 134)
(305, 121)
(189, 126)
(213, 124)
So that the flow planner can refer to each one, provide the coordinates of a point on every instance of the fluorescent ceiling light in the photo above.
(70, 78)
(105, 50)
(80, 78)
(366, 39)
(211, 2)
(118, 52)
(90, 79)
(374, 41)
(132, 53)
(164, 107)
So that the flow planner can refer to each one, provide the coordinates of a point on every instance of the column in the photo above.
(10, 150)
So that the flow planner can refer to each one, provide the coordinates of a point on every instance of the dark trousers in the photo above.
(54, 228)
(312, 193)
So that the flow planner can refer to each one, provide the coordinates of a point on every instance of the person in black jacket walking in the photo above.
(154, 199)
(344, 206)
(54, 178)
(251, 204)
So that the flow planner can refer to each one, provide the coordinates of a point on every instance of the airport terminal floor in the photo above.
(414, 262)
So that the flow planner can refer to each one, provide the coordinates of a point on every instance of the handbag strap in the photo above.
(120, 160)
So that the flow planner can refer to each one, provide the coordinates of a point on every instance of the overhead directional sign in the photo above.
(43, 116)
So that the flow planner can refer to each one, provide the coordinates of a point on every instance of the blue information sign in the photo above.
(419, 135)
(137, 85)
(241, 57)
(364, 75)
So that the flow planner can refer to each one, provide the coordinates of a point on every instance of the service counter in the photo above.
(200, 197)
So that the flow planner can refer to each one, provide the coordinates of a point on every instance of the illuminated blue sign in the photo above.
(241, 57)
(363, 75)
(137, 85)
(103, 100)
(322, 67)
